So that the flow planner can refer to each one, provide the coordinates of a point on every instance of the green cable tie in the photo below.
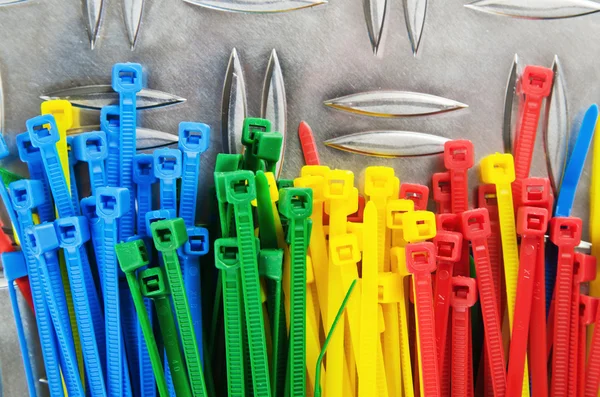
(9, 177)
(154, 286)
(239, 189)
(133, 256)
(228, 262)
(170, 235)
(296, 205)
(267, 147)
(338, 316)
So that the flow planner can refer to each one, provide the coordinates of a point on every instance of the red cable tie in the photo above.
(419, 194)
(536, 84)
(308, 144)
(565, 233)
(420, 261)
(448, 246)
(588, 307)
(531, 226)
(588, 314)
(476, 228)
(458, 158)
(584, 270)
(463, 297)
(441, 192)
(537, 192)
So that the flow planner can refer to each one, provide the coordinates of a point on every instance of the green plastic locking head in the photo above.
(132, 255)
(169, 234)
(153, 283)
(240, 187)
(253, 126)
(267, 146)
(270, 263)
(227, 255)
(295, 202)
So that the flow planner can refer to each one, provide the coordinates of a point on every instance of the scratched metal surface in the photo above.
(324, 52)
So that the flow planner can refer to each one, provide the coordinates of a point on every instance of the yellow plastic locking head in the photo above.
(498, 168)
(395, 210)
(380, 182)
(61, 110)
(338, 185)
(344, 250)
(315, 170)
(316, 183)
(418, 226)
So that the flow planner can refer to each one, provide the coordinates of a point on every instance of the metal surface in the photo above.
(324, 53)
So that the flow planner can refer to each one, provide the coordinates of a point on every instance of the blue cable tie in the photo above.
(127, 80)
(33, 158)
(167, 168)
(566, 196)
(88, 210)
(143, 176)
(73, 188)
(110, 124)
(194, 139)
(44, 135)
(26, 195)
(14, 268)
(111, 204)
(92, 148)
(196, 246)
(72, 233)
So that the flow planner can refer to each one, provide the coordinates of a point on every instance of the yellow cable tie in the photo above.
(499, 170)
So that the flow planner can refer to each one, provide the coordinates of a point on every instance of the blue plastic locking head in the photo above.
(26, 194)
(127, 77)
(88, 209)
(90, 146)
(112, 202)
(143, 169)
(110, 118)
(167, 163)
(43, 131)
(198, 243)
(72, 231)
(194, 137)
(42, 238)
(27, 152)
(14, 265)
(158, 215)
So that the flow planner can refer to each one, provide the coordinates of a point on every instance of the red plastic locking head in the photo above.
(565, 231)
(537, 81)
(584, 268)
(532, 221)
(419, 194)
(487, 198)
(448, 222)
(420, 258)
(535, 192)
(448, 246)
(459, 154)
(588, 308)
(476, 224)
(441, 186)
(464, 292)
